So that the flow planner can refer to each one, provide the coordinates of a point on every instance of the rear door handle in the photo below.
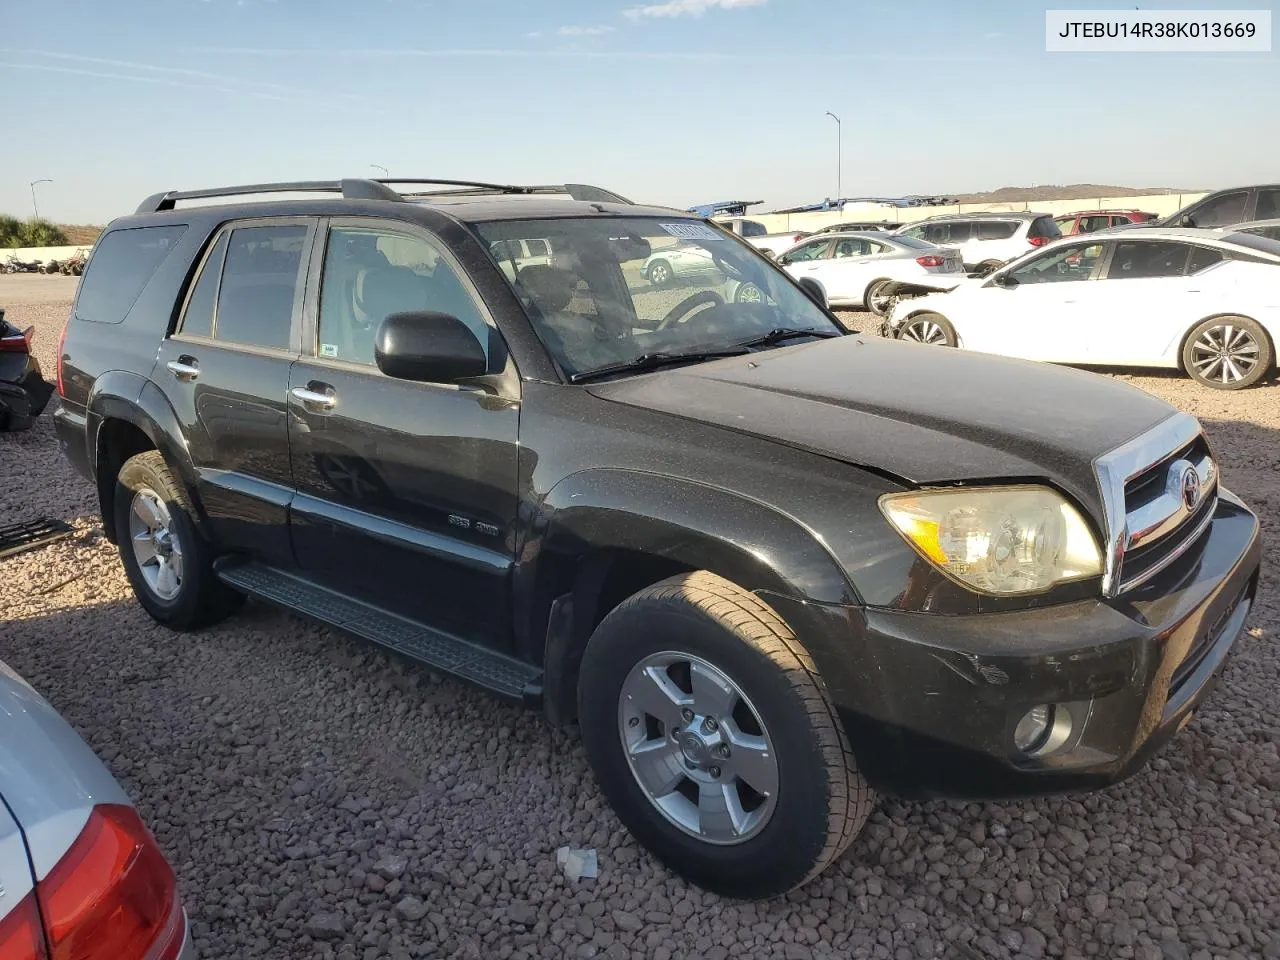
(185, 368)
(325, 398)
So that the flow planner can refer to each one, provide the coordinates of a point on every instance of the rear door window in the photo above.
(1202, 257)
(259, 287)
(120, 266)
(994, 229)
(1268, 207)
(197, 319)
(1139, 259)
(949, 232)
(752, 229)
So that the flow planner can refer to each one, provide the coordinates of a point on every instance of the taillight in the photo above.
(20, 935)
(113, 894)
(62, 343)
(18, 342)
(1037, 241)
(929, 260)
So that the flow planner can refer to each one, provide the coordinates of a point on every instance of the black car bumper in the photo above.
(933, 701)
(24, 392)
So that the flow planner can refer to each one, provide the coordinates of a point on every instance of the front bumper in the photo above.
(931, 704)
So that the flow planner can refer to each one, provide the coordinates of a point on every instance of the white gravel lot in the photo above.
(320, 798)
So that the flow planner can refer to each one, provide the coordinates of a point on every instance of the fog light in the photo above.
(1033, 729)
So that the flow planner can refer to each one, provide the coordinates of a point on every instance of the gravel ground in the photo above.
(319, 798)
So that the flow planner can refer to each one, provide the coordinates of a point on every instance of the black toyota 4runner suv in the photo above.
(768, 567)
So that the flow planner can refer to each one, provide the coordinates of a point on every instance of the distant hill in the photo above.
(80, 233)
(1074, 191)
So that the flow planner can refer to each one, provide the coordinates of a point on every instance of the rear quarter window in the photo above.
(122, 263)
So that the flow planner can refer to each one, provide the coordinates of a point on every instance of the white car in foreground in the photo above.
(854, 268)
(1203, 301)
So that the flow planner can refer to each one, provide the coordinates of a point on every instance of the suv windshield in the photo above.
(618, 289)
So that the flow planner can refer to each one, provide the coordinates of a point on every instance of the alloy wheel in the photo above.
(698, 748)
(924, 331)
(1225, 353)
(156, 545)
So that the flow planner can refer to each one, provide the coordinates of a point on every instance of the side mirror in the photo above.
(783, 260)
(1004, 280)
(428, 347)
(815, 293)
(1186, 220)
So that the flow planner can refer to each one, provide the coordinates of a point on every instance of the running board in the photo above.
(494, 672)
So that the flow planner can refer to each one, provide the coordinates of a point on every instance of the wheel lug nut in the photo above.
(723, 752)
(710, 724)
(687, 714)
(715, 772)
(633, 722)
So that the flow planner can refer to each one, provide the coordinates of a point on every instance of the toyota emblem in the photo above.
(1190, 487)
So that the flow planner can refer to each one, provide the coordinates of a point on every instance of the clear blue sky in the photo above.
(669, 101)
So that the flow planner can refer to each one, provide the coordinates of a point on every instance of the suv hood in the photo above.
(925, 415)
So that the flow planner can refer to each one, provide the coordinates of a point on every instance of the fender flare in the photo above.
(591, 518)
(120, 395)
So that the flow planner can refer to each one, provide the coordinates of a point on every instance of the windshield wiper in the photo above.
(779, 334)
(652, 361)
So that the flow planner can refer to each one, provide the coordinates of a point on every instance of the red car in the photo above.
(1087, 221)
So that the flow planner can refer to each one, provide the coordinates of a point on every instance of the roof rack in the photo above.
(577, 191)
(360, 189)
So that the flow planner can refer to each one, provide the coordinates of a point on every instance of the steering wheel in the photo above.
(688, 304)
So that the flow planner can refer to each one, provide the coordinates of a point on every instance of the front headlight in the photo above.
(1001, 541)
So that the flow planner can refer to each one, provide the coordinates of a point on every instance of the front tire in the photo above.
(929, 328)
(712, 736)
(1228, 353)
(168, 563)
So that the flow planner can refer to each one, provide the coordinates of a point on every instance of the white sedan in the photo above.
(854, 268)
(1203, 301)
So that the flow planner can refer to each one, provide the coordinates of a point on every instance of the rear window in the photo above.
(1255, 242)
(1044, 227)
(752, 229)
(122, 263)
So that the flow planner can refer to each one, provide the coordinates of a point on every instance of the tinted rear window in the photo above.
(122, 263)
(1044, 227)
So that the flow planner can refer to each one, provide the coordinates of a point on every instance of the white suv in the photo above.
(986, 240)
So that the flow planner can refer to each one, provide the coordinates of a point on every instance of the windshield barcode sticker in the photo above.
(691, 231)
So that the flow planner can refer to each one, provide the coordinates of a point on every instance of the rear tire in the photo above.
(154, 525)
(1228, 353)
(712, 736)
(928, 328)
(869, 298)
(660, 273)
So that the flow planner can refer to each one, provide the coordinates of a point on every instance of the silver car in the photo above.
(80, 874)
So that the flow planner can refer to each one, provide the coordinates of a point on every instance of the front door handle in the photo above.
(324, 398)
(184, 368)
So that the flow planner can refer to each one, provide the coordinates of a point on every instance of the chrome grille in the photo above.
(1147, 491)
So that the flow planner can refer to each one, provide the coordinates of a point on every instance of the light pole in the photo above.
(384, 170)
(839, 151)
(35, 206)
